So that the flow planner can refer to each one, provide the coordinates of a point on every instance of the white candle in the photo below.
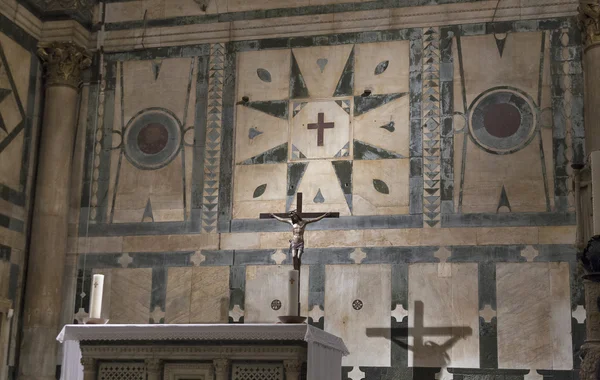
(96, 297)
(293, 293)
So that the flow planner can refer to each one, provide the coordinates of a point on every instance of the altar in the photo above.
(200, 352)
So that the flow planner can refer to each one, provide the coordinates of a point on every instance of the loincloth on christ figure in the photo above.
(299, 248)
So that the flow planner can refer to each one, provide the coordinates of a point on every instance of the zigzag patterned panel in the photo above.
(212, 156)
(431, 127)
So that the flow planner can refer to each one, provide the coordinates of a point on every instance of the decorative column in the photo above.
(590, 351)
(589, 21)
(63, 63)
(292, 369)
(221, 369)
(153, 369)
(89, 368)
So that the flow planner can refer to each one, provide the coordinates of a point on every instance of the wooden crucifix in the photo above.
(296, 219)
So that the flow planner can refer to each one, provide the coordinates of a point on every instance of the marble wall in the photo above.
(446, 151)
(19, 122)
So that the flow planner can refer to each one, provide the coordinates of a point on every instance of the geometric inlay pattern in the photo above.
(502, 120)
(152, 138)
(210, 198)
(257, 372)
(431, 127)
(122, 371)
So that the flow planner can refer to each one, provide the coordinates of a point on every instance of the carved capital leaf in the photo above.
(153, 365)
(293, 366)
(589, 21)
(64, 63)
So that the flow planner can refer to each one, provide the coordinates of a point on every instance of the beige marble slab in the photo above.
(443, 296)
(130, 295)
(410, 237)
(264, 284)
(367, 200)
(370, 286)
(275, 62)
(248, 202)
(534, 328)
(367, 127)
(169, 243)
(393, 79)
(179, 287)
(257, 132)
(210, 295)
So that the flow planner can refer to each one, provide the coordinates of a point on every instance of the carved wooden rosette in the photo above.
(589, 21)
(64, 63)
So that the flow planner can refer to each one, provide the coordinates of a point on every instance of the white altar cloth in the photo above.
(325, 350)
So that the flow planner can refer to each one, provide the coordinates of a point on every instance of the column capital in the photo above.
(589, 21)
(64, 62)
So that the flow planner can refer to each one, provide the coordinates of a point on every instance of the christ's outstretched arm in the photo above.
(308, 221)
(284, 220)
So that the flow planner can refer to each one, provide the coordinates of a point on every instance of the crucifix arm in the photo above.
(284, 220)
(308, 221)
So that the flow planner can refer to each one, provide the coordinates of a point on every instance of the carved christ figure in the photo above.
(298, 226)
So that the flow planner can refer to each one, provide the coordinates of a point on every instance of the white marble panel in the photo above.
(276, 63)
(381, 187)
(393, 79)
(443, 315)
(266, 283)
(257, 132)
(259, 188)
(534, 316)
(371, 285)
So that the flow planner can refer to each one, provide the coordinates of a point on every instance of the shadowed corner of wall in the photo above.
(432, 351)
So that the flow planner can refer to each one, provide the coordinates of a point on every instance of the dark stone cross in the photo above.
(299, 212)
(320, 126)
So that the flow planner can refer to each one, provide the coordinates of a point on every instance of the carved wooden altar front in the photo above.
(200, 352)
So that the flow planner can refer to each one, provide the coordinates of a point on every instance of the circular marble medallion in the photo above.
(152, 138)
(502, 120)
(276, 304)
(357, 304)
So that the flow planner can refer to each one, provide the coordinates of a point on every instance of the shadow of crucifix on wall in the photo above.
(422, 348)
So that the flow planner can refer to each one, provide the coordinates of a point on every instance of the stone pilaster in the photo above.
(63, 64)
(154, 369)
(292, 369)
(89, 368)
(589, 22)
(221, 369)
(590, 351)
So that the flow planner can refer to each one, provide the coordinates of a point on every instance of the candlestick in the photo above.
(96, 296)
(293, 293)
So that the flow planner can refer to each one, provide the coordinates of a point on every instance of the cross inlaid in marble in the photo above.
(320, 126)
